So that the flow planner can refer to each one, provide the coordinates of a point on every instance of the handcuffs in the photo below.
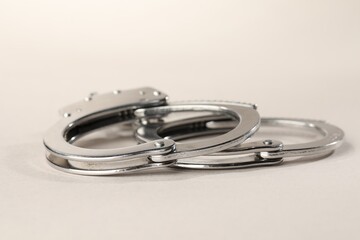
(146, 109)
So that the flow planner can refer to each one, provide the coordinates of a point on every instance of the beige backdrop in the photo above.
(292, 58)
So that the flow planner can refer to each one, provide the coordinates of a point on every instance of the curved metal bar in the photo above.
(102, 110)
(332, 137)
(268, 152)
(246, 124)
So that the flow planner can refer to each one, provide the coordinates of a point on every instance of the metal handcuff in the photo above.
(123, 106)
(262, 153)
(146, 108)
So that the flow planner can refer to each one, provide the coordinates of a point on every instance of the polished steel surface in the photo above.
(267, 152)
(101, 169)
(246, 124)
(332, 137)
(145, 105)
(97, 111)
(146, 112)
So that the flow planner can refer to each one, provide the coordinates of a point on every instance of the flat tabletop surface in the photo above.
(293, 59)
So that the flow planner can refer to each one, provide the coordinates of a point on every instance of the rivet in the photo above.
(268, 142)
(159, 144)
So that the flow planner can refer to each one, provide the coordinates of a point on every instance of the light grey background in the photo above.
(292, 58)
